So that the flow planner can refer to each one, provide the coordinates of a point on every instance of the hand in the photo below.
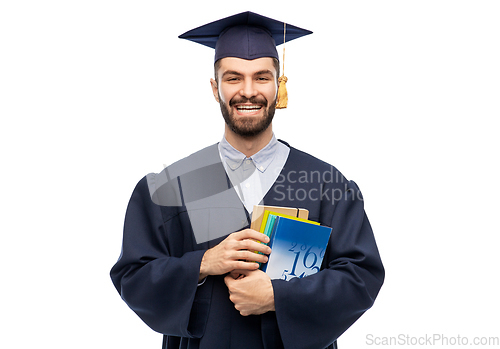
(235, 252)
(251, 291)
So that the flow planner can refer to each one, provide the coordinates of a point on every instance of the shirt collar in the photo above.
(261, 160)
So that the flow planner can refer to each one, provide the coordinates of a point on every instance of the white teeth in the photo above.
(248, 108)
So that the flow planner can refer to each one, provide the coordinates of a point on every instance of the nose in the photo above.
(248, 89)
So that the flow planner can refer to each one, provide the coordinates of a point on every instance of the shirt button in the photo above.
(261, 168)
(247, 185)
(248, 161)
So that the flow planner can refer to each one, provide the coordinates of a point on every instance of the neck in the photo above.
(249, 146)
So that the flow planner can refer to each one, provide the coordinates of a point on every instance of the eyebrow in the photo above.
(231, 72)
(263, 72)
(234, 72)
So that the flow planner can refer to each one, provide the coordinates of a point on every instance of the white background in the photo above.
(401, 96)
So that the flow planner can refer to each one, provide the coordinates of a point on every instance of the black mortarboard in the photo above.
(245, 35)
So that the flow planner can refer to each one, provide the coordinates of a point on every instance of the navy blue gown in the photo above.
(158, 269)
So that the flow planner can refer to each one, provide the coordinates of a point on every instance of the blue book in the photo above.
(297, 247)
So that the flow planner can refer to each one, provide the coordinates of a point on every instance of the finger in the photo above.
(251, 256)
(243, 272)
(246, 265)
(252, 234)
(253, 245)
(228, 279)
(235, 274)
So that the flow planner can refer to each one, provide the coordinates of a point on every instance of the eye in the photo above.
(263, 78)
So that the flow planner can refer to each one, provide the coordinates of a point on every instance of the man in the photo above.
(188, 266)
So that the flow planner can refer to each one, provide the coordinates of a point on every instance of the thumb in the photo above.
(236, 274)
(229, 279)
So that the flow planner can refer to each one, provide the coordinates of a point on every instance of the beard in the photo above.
(248, 126)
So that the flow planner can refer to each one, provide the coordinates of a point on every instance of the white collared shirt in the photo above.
(252, 177)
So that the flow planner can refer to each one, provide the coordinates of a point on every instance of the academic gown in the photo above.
(158, 269)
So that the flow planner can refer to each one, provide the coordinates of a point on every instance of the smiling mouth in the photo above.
(248, 109)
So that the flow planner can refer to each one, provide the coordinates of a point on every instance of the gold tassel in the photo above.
(282, 99)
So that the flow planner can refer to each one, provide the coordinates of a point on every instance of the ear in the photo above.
(215, 90)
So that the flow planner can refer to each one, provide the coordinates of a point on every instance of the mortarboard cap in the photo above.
(247, 35)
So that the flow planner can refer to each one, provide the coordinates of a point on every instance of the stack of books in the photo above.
(298, 244)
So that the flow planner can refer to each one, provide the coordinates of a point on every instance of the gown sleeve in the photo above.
(314, 311)
(159, 284)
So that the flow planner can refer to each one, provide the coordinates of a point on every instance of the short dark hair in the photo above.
(275, 62)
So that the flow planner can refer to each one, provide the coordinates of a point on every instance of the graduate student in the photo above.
(188, 266)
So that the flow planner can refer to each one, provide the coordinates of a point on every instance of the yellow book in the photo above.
(265, 228)
(259, 211)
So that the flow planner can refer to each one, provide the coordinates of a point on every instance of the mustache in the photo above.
(253, 100)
